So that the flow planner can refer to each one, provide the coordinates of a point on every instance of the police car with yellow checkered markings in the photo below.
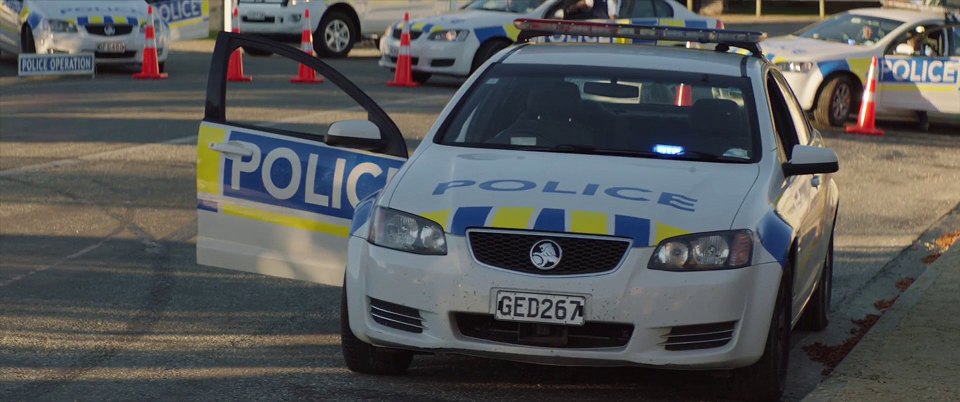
(918, 49)
(570, 206)
(113, 30)
(456, 44)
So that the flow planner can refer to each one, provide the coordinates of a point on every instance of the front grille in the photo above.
(413, 34)
(264, 20)
(700, 336)
(125, 55)
(396, 316)
(442, 62)
(413, 60)
(590, 335)
(97, 29)
(578, 256)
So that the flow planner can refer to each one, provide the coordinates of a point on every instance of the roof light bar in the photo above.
(531, 28)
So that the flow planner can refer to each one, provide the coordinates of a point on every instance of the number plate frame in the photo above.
(546, 313)
(112, 47)
(256, 16)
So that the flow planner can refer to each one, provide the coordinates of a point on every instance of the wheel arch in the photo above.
(474, 64)
(350, 12)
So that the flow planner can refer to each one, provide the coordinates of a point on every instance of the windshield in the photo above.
(511, 6)
(604, 110)
(851, 29)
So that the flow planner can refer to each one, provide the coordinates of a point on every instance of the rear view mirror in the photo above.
(811, 160)
(360, 134)
(904, 49)
(611, 90)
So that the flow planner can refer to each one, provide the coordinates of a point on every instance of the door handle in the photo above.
(231, 147)
(815, 181)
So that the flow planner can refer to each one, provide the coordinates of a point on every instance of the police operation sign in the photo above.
(56, 64)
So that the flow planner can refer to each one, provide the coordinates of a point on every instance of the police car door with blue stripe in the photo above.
(920, 70)
(280, 202)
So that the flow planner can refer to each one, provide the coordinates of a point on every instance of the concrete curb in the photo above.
(845, 380)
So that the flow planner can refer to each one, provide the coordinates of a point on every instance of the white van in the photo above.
(337, 24)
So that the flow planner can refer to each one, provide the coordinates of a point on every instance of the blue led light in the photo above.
(668, 149)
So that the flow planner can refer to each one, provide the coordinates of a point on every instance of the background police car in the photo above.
(111, 29)
(456, 44)
(337, 24)
(827, 63)
(293, 205)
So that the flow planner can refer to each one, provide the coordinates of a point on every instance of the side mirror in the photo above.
(903, 49)
(360, 134)
(811, 160)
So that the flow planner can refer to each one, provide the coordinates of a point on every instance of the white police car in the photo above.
(113, 30)
(827, 63)
(576, 204)
(456, 44)
(337, 24)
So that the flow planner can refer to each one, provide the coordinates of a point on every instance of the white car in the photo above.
(113, 30)
(337, 24)
(827, 63)
(456, 44)
(562, 210)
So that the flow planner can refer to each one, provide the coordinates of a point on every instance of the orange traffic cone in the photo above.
(235, 67)
(866, 120)
(306, 75)
(403, 77)
(151, 68)
(684, 91)
(684, 95)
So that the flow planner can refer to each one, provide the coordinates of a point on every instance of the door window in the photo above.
(782, 119)
(921, 41)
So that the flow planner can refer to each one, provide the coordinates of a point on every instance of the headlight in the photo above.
(704, 251)
(405, 232)
(449, 35)
(60, 26)
(795, 66)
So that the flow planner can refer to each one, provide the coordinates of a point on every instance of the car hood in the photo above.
(644, 199)
(75, 9)
(467, 19)
(795, 48)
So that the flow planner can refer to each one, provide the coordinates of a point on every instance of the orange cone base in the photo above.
(864, 131)
(306, 76)
(235, 69)
(149, 69)
(407, 84)
(143, 76)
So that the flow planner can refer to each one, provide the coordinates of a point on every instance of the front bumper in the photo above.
(805, 86)
(445, 288)
(82, 42)
(435, 57)
(272, 19)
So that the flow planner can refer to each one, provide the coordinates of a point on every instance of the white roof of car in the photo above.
(630, 56)
(899, 14)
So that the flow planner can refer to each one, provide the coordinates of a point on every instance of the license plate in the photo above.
(111, 47)
(256, 16)
(540, 308)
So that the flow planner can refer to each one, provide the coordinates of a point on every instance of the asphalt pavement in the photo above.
(101, 298)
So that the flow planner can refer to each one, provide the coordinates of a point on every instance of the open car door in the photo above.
(280, 202)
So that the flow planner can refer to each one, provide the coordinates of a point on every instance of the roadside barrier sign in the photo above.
(30, 65)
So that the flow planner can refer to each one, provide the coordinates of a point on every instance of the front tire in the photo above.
(486, 51)
(817, 314)
(27, 45)
(335, 35)
(766, 379)
(421, 77)
(364, 358)
(834, 102)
